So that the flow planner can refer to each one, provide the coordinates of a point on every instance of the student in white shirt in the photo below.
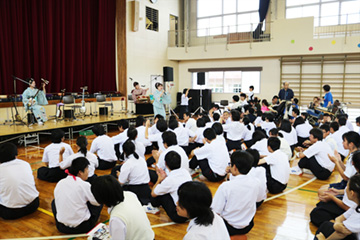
(74, 207)
(216, 117)
(325, 128)
(289, 133)
(81, 143)
(140, 127)
(302, 131)
(235, 131)
(357, 120)
(132, 135)
(183, 135)
(268, 123)
(128, 219)
(164, 192)
(348, 124)
(346, 226)
(207, 119)
(156, 139)
(184, 104)
(153, 129)
(190, 123)
(134, 175)
(338, 136)
(52, 172)
(251, 93)
(277, 167)
(258, 173)
(119, 139)
(212, 158)
(18, 194)
(284, 145)
(243, 101)
(236, 104)
(103, 146)
(248, 132)
(194, 203)
(315, 158)
(260, 143)
(235, 200)
(198, 142)
(219, 132)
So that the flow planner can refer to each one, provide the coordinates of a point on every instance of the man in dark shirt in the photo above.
(286, 93)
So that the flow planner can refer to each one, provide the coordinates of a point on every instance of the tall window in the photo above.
(217, 17)
(229, 81)
(325, 12)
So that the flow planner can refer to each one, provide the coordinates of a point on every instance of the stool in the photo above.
(238, 237)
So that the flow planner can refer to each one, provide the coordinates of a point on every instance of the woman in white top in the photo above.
(128, 219)
(184, 105)
(346, 226)
(81, 143)
(133, 175)
(18, 194)
(75, 208)
(194, 203)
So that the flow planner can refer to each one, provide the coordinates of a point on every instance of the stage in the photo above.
(22, 132)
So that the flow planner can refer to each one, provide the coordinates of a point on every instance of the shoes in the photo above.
(150, 209)
(307, 171)
(296, 171)
(40, 123)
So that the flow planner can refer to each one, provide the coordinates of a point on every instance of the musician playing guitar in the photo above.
(33, 99)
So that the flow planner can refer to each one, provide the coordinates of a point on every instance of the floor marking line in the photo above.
(46, 212)
(292, 190)
(50, 237)
(163, 225)
(36, 147)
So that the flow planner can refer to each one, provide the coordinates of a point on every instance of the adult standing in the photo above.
(286, 93)
(328, 98)
(160, 98)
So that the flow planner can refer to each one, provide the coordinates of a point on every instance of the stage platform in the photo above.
(8, 132)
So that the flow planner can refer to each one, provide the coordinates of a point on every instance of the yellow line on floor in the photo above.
(46, 212)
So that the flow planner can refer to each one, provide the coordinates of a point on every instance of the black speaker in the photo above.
(168, 73)
(103, 111)
(200, 78)
(195, 101)
(69, 113)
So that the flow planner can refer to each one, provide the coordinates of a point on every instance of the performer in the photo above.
(161, 98)
(34, 103)
(138, 91)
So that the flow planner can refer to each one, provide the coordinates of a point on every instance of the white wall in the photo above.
(147, 50)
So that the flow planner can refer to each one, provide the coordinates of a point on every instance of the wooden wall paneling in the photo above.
(121, 47)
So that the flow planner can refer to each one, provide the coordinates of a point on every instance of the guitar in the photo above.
(17, 115)
(83, 108)
(59, 111)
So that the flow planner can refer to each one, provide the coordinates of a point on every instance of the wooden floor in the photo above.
(284, 216)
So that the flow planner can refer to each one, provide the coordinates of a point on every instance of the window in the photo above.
(217, 17)
(229, 81)
(152, 19)
(325, 12)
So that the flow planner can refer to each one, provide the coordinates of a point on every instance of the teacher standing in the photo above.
(161, 98)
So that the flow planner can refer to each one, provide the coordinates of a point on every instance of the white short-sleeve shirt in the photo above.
(267, 126)
(217, 155)
(17, 185)
(93, 160)
(279, 166)
(51, 153)
(235, 200)
(303, 130)
(134, 171)
(259, 173)
(290, 137)
(320, 151)
(180, 151)
(248, 133)
(350, 170)
(191, 124)
(235, 130)
(141, 136)
(347, 201)
(157, 138)
(103, 146)
(332, 143)
(352, 221)
(184, 100)
(172, 183)
(199, 135)
(183, 135)
(261, 146)
(285, 147)
(338, 138)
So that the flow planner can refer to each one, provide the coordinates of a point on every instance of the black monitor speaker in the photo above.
(168, 73)
(200, 78)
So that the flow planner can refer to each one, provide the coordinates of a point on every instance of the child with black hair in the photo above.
(132, 135)
(207, 119)
(258, 119)
(259, 143)
(183, 135)
(235, 200)
(236, 104)
(289, 133)
(212, 158)
(325, 128)
(334, 126)
(268, 123)
(295, 114)
(315, 158)
(216, 117)
(52, 172)
(243, 101)
(219, 132)
(284, 145)
(277, 167)
(251, 93)
(190, 123)
(153, 129)
(133, 175)
(198, 141)
(140, 127)
(328, 98)
(357, 121)
(184, 104)
(258, 173)
(334, 202)
(294, 103)
(18, 194)
(225, 118)
(81, 143)
(337, 135)
(248, 132)
(75, 208)
(119, 139)
(103, 146)
(302, 131)
(194, 203)
(161, 126)
(234, 131)
(346, 226)
(164, 192)
(127, 217)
